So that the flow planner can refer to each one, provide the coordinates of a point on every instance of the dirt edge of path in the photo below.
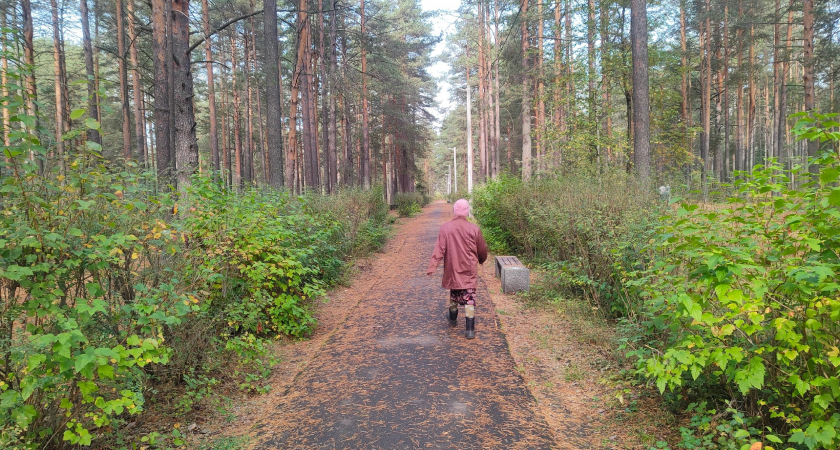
(575, 373)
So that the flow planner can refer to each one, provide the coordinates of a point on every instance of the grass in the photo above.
(227, 443)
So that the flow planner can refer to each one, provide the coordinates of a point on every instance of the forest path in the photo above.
(394, 375)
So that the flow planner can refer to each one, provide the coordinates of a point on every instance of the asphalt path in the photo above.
(394, 375)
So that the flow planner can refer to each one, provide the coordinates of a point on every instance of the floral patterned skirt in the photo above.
(462, 296)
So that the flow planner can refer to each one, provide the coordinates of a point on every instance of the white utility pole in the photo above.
(455, 167)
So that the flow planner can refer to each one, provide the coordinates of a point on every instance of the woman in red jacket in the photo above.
(460, 245)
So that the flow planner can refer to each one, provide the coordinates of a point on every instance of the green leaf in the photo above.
(829, 175)
(834, 197)
(92, 124)
(83, 360)
(77, 113)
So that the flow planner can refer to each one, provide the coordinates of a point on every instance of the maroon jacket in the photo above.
(460, 245)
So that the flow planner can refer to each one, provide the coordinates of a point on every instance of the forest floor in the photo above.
(384, 370)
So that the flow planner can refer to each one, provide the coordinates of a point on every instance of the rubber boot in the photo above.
(452, 317)
(470, 333)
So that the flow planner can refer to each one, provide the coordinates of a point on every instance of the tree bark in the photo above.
(248, 142)
(559, 103)
(237, 130)
(163, 115)
(590, 75)
(4, 77)
(727, 167)
(274, 115)
(93, 95)
(606, 92)
(498, 118)
(705, 90)
(364, 167)
(808, 71)
(297, 77)
(641, 104)
(186, 144)
(139, 119)
(61, 118)
(469, 136)
(482, 136)
(123, 77)
(29, 59)
(750, 136)
(781, 136)
(211, 88)
(739, 96)
(526, 99)
(332, 162)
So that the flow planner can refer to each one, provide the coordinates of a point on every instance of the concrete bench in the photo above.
(514, 275)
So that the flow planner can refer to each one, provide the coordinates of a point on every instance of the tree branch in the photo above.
(222, 27)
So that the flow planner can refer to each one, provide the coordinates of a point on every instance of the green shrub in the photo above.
(410, 203)
(587, 232)
(90, 282)
(742, 305)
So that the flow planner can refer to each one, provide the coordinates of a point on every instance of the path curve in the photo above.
(394, 375)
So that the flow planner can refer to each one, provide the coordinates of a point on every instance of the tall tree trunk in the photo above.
(333, 92)
(96, 43)
(186, 144)
(606, 92)
(323, 65)
(727, 167)
(739, 95)
(61, 119)
(310, 125)
(248, 142)
(493, 167)
(782, 128)
(123, 76)
(469, 137)
(482, 136)
(641, 104)
(774, 149)
(705, 90)
(4, 76)
(364, 167)
(559, 103)
(684, 105)
(237, 133)
(590, 76)
(297, 79)
(139, 119)
(750, 129)
(498, 119)
(273, 108)
(526, 100)
(29, 60)
(163, 115)
(808, 71)
(211, 88)
(93, 95)
(540, 113)
(570, 67)
(225, 158)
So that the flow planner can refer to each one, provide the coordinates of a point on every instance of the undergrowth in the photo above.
(111, 290)
(729, 309)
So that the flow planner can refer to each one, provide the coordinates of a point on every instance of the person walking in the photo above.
(460, 245)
